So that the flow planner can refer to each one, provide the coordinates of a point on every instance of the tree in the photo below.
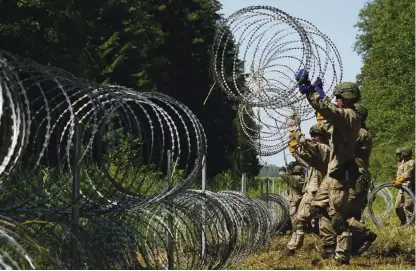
(189, 28)
(146, 45)
(386, 42)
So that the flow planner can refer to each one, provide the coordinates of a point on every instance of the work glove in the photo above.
(291, 125)
(302, 77)
(292, 145)
(398, 182)
(317, 86)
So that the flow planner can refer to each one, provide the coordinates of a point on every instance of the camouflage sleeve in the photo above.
(290, 180)
(324, 151)
(325, 126)
(409, 170)
(305, 149)
(328, 110)
(300, 159)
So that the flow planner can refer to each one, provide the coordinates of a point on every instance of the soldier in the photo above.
(315, 153)
(358, 193)
(342, 170)
(295, 181)
(406, 177)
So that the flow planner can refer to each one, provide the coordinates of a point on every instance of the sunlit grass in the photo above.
(394, 248)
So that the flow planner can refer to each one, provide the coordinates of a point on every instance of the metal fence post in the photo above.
(204, 183)
(244, 184)
(274, 187)
(267, 187)
(75, 192)
(170, 218)
(261, 188)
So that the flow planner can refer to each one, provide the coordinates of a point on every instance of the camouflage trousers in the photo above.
(357, 202)
(404, 206)
(333, 195)
(293, 208)
(303, 216)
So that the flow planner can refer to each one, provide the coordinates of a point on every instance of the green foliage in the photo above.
(260, 186)
(150, 44)
(222, 181)
(386, 42)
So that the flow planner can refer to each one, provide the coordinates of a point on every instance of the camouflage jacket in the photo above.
(407, 169)
(343, 126)
(316, 156)
(295, 184)
(364, 146)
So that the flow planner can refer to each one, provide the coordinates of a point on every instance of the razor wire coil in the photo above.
(127, 203)
(269, 47)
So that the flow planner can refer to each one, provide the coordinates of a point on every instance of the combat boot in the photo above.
(368, 239)
(290, 252)
(328, 252)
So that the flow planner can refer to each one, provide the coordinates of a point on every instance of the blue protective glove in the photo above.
(317, 85)
(305, 89)
(302, 77)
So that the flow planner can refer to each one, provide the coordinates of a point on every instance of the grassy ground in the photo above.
(393, 249)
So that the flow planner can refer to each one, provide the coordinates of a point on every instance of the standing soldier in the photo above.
(315, 153)
(405, 176)
(295, 181)
(358, 193)
(342, 170)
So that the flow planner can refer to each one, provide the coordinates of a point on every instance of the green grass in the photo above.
(394, 248)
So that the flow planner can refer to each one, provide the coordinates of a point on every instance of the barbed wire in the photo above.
(268, 48)
(134, 210)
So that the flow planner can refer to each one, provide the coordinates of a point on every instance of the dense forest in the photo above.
(386, 43)
(146, 45)
(165, 46)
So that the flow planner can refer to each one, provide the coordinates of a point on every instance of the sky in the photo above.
(335, 18)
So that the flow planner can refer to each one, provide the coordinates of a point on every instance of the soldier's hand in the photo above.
(302, 77)
(292, 145)
(398, 182)
(398, 185)
(318, 87)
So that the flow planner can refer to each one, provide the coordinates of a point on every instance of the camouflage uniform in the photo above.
(405, 176)
(295, 182)
(359, 188)
(316, 156)
(334, 190)
(362, 237)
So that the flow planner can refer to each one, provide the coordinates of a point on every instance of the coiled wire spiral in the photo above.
(56, 128)
(268, 48)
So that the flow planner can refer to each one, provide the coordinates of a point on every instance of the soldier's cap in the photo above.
(347, 90)
(316, 129)
(297, 169)
(292, 164)
(406, 151)
(398, 150)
